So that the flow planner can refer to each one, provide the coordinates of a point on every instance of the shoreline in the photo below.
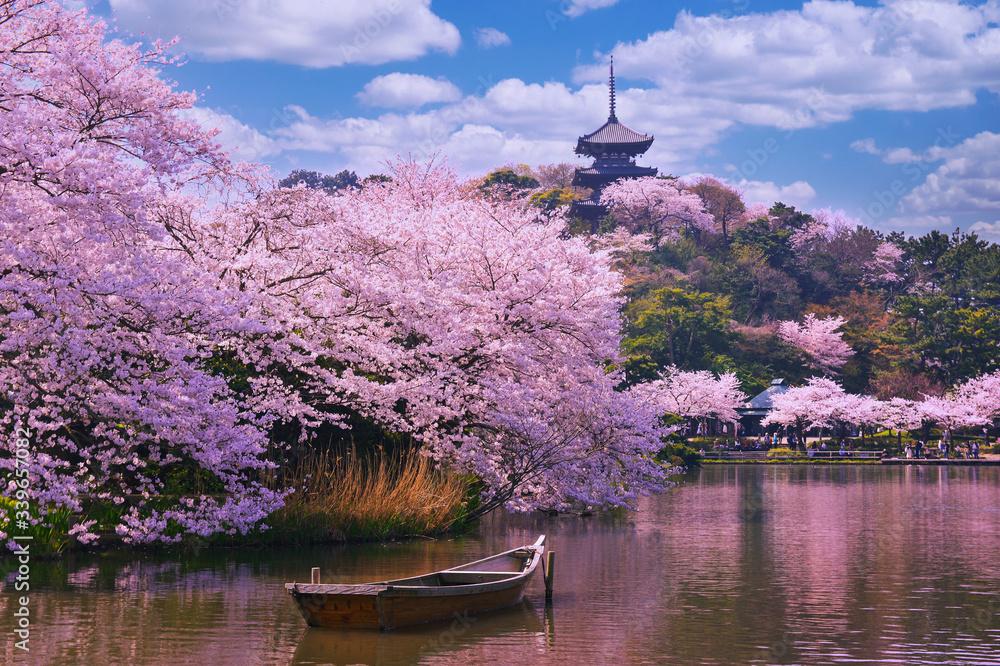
(886, 461)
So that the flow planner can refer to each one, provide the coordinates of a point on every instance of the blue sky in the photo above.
(890, 111)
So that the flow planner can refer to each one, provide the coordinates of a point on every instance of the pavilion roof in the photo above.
(762, 403)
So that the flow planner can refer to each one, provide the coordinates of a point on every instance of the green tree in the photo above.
(551, 199)
(674, 326)
(947, 341)
(948, 326)
(320, 181)
(507, 177)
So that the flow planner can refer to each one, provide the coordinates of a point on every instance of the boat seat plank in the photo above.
(334, 588)
(465, 577)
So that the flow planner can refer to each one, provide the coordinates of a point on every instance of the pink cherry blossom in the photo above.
(819, 403)
(658, 206)
(900, 414)
(819, 340)
(982, 394)
(825, 225)
(884, 266)
(949, 413)
(107, 333)
(694, 394)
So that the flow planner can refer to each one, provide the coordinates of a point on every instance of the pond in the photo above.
(737, 564)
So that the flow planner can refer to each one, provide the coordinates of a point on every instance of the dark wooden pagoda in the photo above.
(614, 148)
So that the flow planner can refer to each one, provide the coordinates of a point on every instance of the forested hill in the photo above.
(926, 317)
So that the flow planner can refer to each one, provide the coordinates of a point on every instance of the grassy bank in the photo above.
(331, 498)
(366, 498)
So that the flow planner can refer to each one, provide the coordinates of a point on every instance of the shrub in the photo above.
(707, 443)
(679, 455)
(783, 452)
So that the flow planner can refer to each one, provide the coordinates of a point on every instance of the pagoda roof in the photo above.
(612, 136)
(613, 133)
(616, 170)
(599, 173)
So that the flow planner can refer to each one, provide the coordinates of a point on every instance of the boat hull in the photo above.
(385, 610)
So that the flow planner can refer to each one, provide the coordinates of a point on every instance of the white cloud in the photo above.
(967, 180)
(900, 156)
(866, 146)
(398, 90)
(574, 8)
(820, 64)
(312, 34)
(240, 140)
(799, 194)
(889, 156)
(987, 230)
(919, 224)
(489, 38)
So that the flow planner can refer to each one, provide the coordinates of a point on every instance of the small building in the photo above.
(614, 148)
(753, 412)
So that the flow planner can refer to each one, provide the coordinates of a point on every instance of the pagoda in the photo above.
(614, 148)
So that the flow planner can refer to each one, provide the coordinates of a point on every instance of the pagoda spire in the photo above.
(611, 88)
(614, 148)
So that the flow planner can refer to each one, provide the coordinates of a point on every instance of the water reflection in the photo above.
(740, 564)
(519, 628)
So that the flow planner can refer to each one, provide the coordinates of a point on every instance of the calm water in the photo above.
(749, 564)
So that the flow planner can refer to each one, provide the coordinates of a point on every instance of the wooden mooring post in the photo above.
(314, 577)
(548, 571)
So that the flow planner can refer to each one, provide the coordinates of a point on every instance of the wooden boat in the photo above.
(488, 584)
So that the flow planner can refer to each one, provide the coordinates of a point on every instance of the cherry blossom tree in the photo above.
(107, 337)
(457, 317)
(694, 394)
(899, 414)
(819, 340)
(884, 266)
(819, 403)
(825, 224)
(658, 206)
(622, 244)
(950, 413)
(982, 394)
(754, 212)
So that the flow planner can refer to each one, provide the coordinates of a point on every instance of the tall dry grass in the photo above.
(366, 497)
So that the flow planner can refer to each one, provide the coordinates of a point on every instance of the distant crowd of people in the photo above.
(918, 449)
(943, 448)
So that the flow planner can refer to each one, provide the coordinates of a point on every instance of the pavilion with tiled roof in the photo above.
(759, 406)
(614, 148)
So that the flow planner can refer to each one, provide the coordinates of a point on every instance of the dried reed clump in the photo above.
(374, 496)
